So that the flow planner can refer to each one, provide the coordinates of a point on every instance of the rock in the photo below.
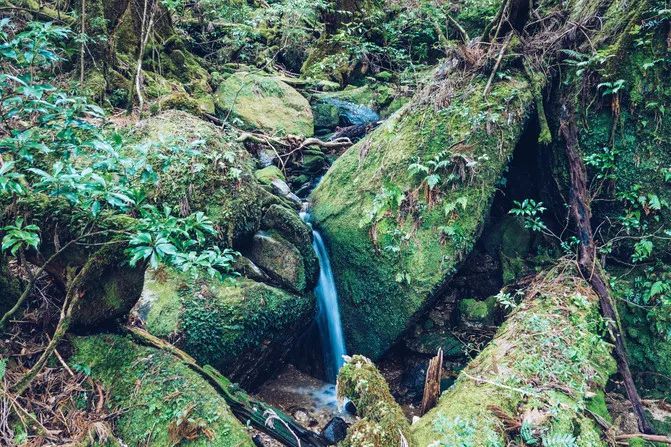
(382, 293)
(293, 229)
(350, 408)
(247, 268)
(186, 103)
(313, 162)
(226, 191)
(266, 157)
(269, 174)
(348, 113)
(474, 313)
(280, 259)
(141, 380)
(265, 103)
(243, 328)
(335, 431)
(302, 417)
(281, 188)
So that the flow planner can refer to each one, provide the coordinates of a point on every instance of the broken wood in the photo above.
(272, 421)
(354, 133)
(587, 259)
(432, 382)
(624, 439)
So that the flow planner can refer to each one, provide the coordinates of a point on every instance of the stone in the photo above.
(335, 431)
(269, 174)
(280, 259)
(264, 103)
(477, 313)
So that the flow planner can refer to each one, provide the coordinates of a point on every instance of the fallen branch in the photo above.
(488, 87)
(624, 439)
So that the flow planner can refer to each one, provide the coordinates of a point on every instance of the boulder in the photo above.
(241, 327)
(264, 103)
(160, 400)
(269, 174)
(224, 186)
(392, 246)
(477, 313)
(280, 259)
(335, 431)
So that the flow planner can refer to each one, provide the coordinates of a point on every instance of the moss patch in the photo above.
(387, 271)
(265, 103)
(243, 328)
(156, 393)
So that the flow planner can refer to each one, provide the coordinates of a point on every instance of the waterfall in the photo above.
(328, 311)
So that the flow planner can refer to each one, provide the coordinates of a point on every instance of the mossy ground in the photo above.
(381, 291)
(160, 399)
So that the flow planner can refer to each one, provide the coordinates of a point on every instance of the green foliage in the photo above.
(20, 237)
(531, 211)
(56, 146)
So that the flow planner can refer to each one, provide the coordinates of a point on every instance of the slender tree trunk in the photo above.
(82, 44)
(587, 260)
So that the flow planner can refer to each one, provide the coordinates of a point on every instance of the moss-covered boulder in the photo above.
(477, 312)
(241, 327)
(265, 103)
(268, 174)
(211, 172)
(393, 242)
(161, 402)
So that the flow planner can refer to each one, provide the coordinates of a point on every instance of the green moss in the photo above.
(383, 420)
(218, 179)
(10, 287)
(478, 311)
(265, 103)
(268, 174)
(229, 325)
(154, 392)
(553, 337)
(382, 289)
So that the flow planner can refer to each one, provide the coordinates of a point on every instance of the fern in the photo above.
(558, 440)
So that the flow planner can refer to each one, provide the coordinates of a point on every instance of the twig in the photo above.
(496, 65)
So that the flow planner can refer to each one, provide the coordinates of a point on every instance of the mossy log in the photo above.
(545, 370)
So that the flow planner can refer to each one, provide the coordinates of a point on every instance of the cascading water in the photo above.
(328, 310)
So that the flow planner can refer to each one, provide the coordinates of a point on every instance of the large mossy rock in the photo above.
(161, 401)
(243, 328)
(213, 173)
(265, 103)
(391, 251)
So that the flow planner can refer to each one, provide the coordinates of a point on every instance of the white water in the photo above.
(328, 311)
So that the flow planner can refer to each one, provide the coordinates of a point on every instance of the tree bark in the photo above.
(587, 260)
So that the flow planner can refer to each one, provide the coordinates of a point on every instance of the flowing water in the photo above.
(328, 311)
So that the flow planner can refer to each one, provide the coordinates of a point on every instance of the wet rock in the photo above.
(265, 103)
(335, 431)
(266, 157)
(290, 226)
(279, 258)
(350, 408)
(302, 416)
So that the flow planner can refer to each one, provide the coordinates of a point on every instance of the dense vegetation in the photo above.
(492, 179)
